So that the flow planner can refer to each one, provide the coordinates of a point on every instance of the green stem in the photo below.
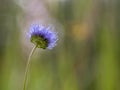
(27, 68)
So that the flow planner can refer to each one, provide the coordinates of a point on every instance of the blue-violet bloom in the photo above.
(43, 37)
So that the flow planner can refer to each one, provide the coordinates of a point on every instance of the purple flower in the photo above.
(43, 37)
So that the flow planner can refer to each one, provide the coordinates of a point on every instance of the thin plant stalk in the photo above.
(27, 68)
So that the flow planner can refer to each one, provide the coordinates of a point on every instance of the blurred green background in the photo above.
(86, 58)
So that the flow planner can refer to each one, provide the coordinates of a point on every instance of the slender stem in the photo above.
(27, 68)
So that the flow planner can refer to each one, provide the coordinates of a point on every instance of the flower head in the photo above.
(42, 37)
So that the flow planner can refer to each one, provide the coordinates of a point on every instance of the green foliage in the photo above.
(39, 41)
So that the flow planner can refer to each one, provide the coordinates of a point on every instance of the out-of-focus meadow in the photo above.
(87, 56)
